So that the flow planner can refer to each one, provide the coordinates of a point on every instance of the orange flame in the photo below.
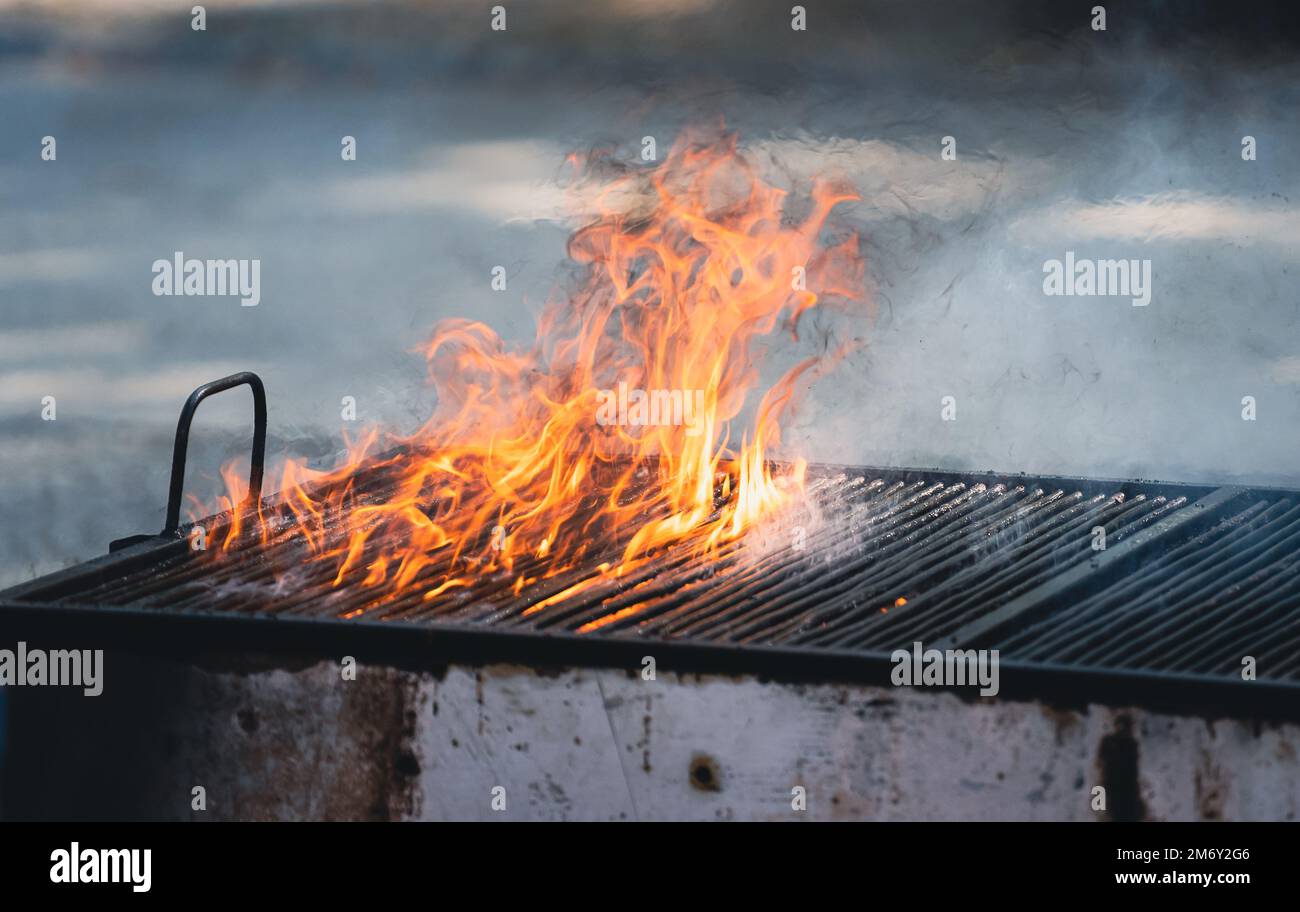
(615, 425)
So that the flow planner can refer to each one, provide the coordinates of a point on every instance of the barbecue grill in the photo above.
(1191, 580)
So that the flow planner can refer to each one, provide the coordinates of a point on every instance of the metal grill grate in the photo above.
(1230, 591)
(1191, 579)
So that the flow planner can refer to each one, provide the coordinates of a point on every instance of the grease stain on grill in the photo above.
(396, 792)
(272, 745)
(247, 720)
(407, 764)
(1039, 795)
(478, 699)
(645, 743)
(705, 775)
(1064, 720)
(549, 793)
(1117, 758)
(1211, 789)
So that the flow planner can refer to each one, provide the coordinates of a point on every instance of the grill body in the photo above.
(277, 738)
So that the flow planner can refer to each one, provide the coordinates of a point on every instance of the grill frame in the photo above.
(28, 612)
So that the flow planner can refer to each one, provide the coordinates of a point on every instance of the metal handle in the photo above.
(183, 439)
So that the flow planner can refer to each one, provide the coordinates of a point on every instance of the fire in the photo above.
(618, 423)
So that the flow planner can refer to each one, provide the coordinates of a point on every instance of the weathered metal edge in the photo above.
(203, 636)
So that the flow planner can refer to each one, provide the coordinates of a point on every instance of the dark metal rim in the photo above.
(278, 641)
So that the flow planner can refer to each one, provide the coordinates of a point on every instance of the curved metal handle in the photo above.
(183, 440)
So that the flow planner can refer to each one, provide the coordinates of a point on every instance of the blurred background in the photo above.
(225, 143)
